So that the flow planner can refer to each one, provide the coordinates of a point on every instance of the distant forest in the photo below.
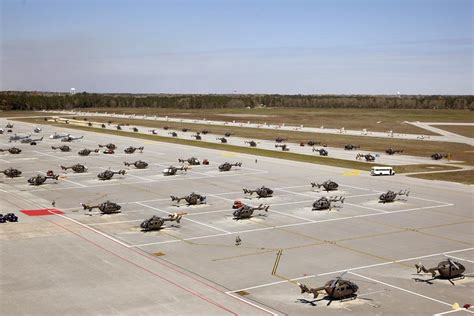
(48, 101)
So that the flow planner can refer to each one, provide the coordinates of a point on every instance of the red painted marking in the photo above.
(43, 212)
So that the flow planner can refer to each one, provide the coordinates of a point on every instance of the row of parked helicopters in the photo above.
(340, 289)
(284, 147)
(109, 174)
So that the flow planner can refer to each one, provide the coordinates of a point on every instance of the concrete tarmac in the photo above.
(82, 262)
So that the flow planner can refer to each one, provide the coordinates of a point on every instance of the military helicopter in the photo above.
(108, 174)
(135, 129)
(86, 152)
(78, 168)
(166, 128)
(9, 125)
(280, 140)
(191, 199)
(70, 138)
(16, 137)
(262, 192)
(324, 203)
(30, 140)
(321, 151)
(197, 136)
(156, 222)
(105, 208)
(283, 147)
(246, 211)
(193, 161)
(58, 136)
(439, 156)
(185, 130)
(368, 157)
(131, 150)
(390, 196)
(228, 134)
(173, 134)
(102, 125)
(119, 128)
(138, 164)
(327, 185)
(12, 150)
(171, 170)
(351, 147)
(222, 139)
(63, 148)
(313, 143)
(109, 146)
(204, 132)
(40, 179)
(12, 173)
(37, 130)
(447, 269)
(392, 151)
(337, 289)
(251, 143)
(226, 166)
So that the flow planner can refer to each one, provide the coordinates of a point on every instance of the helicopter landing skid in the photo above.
(349, 298)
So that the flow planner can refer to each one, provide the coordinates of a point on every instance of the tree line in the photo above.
(13, 101)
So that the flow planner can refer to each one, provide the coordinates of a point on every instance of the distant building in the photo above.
(73, 91)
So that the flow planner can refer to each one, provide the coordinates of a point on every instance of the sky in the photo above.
(227, 46)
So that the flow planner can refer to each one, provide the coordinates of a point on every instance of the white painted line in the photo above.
(454, 311)
(250, 303)
(401, 289)
(188, 219)
(428, 200)
(462, 259)
(142, 178)
(291, 215)
(367, 208)
(116, 222)
(359, 188)
(42, 153)
(94, 230)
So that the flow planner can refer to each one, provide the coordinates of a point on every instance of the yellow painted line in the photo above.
(229, 154)
(352, 173)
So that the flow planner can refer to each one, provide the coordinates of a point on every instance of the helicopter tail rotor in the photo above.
(419, 267)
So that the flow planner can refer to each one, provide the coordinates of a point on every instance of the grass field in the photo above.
(465, 130)
(23, 113)
(380, 120)
(459, 151)
(466, 177)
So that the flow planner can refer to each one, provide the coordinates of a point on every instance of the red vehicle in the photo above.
(237, 204)
(205, 162)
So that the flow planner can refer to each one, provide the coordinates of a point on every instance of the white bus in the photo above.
(382, 171)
